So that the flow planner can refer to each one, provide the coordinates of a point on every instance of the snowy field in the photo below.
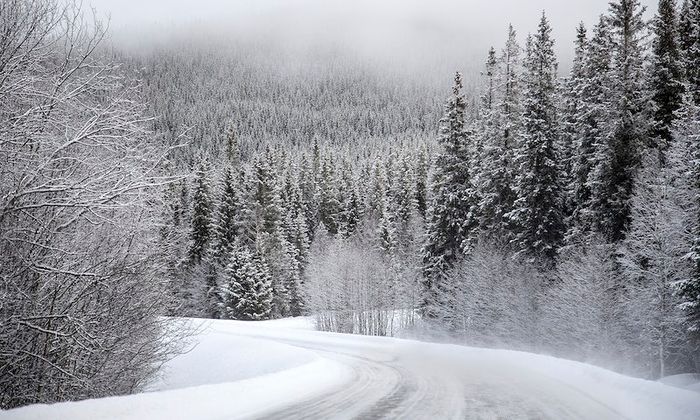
(284, 369)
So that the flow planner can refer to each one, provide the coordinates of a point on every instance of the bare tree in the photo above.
(653, 262)
(353, 288)
(79, 300)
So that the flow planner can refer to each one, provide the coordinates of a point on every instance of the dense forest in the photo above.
(529, 210)
(550, 214)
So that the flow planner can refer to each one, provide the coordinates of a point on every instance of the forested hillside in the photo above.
(515, 206)
(551, 212)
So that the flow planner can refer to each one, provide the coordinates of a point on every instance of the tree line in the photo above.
(551, 214)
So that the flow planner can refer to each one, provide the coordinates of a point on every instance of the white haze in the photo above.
(408, 33)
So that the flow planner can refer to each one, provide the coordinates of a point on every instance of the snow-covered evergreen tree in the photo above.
(689, 42)
(538, 209)
(499, 120)
(618, 152)
(666, 82)
(329, 207)
(684, 156)
(592, 94)
(422, 169)
(572, 108)
(233, 215)
(453, 213)
(247, 291)
(200, 233)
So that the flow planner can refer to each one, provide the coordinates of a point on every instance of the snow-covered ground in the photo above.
(284, 369)
(689, 381)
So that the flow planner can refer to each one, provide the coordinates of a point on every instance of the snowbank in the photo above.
(632, 398)
(219, 357)
(249, 397)
(224, 375)
(690, 381)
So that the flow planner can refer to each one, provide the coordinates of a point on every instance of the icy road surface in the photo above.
(282, 370)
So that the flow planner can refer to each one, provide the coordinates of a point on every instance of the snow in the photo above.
(223, 376)
(219, 357)
(248, 397)
(630, 397)
(250, 369)
(689, 381)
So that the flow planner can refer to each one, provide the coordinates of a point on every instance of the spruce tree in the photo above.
(511, 103)
(689, 41)
(233, 222)
(308, 189)
(688, 151)
(685, 156)
(619, 150)
(666, 82)
(422, 167)
(500, 119)
(247, 292)
(453, 213)
(329, 207)
(537, 214)
(200, 233)
(591, 91)
(271, 239)
(573, 108)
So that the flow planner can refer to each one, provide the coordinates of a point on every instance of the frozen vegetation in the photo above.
(534, 223)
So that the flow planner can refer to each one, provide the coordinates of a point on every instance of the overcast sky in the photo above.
(394, 28)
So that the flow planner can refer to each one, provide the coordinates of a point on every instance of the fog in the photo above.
(408, 32)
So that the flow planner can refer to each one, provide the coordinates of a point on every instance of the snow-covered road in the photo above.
(406, 379)
(280, 370)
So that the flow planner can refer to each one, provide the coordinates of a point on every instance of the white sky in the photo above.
(393, 28)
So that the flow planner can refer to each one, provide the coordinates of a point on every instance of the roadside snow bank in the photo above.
(689, 381)
(632, 398)
(224, 375)
(249, 397)
(218, 356)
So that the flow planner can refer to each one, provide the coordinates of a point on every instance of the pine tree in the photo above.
(689, 42)
(200, 234)
(271, 239)
(618, 153)
(266, 195)
(592, 93)
(537, 213)
(574, 106)
(234, 215)
(511, 106)
(247, 292)
(377, 190)
(233, 153)
(422, 168)
(500, 120)
(405, 199)
(328, 204)
(452, 216)
(349, 203)
(685, 156)
(308, 188)
(666, 82)
(688, 151)
(387, 232)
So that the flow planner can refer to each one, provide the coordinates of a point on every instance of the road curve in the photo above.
(402, 379)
